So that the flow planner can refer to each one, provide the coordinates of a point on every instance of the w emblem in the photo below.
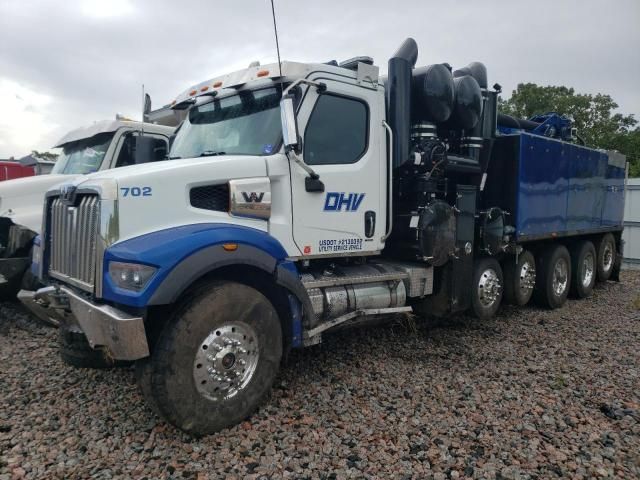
(253, 197)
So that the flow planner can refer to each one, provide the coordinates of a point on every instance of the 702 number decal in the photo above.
(136, 191)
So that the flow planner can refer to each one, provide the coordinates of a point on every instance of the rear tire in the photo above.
(76, 351)
(554, 277)
(519, 279)
(487, 288)
(215, 359)
(583, 269)
(606, 257)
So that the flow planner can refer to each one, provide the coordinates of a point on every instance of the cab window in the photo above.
(127, 155)
(337, 131)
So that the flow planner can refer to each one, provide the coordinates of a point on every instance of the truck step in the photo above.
(336, 281)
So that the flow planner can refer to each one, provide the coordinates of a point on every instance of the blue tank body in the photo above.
(554, 188)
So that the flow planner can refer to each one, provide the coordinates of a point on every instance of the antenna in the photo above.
(275, 29)
(144, 105)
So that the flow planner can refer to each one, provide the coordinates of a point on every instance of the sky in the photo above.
(66, 64)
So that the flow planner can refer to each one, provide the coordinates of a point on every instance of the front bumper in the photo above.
(44, 305)
(121, 334)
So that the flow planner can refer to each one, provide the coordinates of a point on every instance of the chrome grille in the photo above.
(73, 233)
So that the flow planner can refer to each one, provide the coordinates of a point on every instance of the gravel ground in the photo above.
(529, 394)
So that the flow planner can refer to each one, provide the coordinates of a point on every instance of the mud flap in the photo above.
(617, 266)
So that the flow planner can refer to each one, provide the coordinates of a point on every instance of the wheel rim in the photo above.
(226, 361)
(560, 277)
(588, 270)
(527, 278)
(607, 257)
(489, 288)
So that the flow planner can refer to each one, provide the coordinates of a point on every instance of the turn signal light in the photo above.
(230, 247)
(262, 73)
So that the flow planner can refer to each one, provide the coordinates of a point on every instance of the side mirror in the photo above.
(145, 149)
(290, 135)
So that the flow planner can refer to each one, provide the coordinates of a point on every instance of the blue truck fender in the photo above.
(188, 253)
(205, 261)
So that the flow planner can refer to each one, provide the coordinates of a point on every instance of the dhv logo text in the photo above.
(338, 201)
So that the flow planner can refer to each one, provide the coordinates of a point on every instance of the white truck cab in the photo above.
(104, 145)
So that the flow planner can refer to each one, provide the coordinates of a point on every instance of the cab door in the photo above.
(344, 143)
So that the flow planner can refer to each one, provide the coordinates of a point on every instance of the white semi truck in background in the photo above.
(302, 197)
(104, 145)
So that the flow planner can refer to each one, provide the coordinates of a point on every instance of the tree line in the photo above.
(593, 116)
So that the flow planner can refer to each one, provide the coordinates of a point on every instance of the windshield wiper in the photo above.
(211, 153)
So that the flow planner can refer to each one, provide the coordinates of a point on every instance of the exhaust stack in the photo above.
(399, 98)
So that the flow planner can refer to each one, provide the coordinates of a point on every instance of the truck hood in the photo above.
(169, 167)
(21, 199)
(156, 196)
(25, 187)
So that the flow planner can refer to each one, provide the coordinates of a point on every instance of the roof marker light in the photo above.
(262, 73)
(193, 92)
(217, 84)
(205, 88)
(230, 247)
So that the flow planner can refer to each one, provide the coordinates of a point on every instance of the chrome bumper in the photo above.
(44, 306)
(120, 333)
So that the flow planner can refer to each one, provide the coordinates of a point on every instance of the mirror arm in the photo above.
(291, 155)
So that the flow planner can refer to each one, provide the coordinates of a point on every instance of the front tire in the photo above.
(554, 277)
(216, 358)
(76, 351)
(487, 288)
(583, 268)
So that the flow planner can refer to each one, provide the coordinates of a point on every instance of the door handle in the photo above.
(369, 223)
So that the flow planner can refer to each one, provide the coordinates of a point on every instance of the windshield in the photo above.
(247, 123)
(83, 156)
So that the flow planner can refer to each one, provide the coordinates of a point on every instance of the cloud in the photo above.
(90, 57)
(106, 9)
(22, 107)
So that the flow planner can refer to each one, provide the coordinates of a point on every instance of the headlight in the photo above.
(36, 257)
(130, 276)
